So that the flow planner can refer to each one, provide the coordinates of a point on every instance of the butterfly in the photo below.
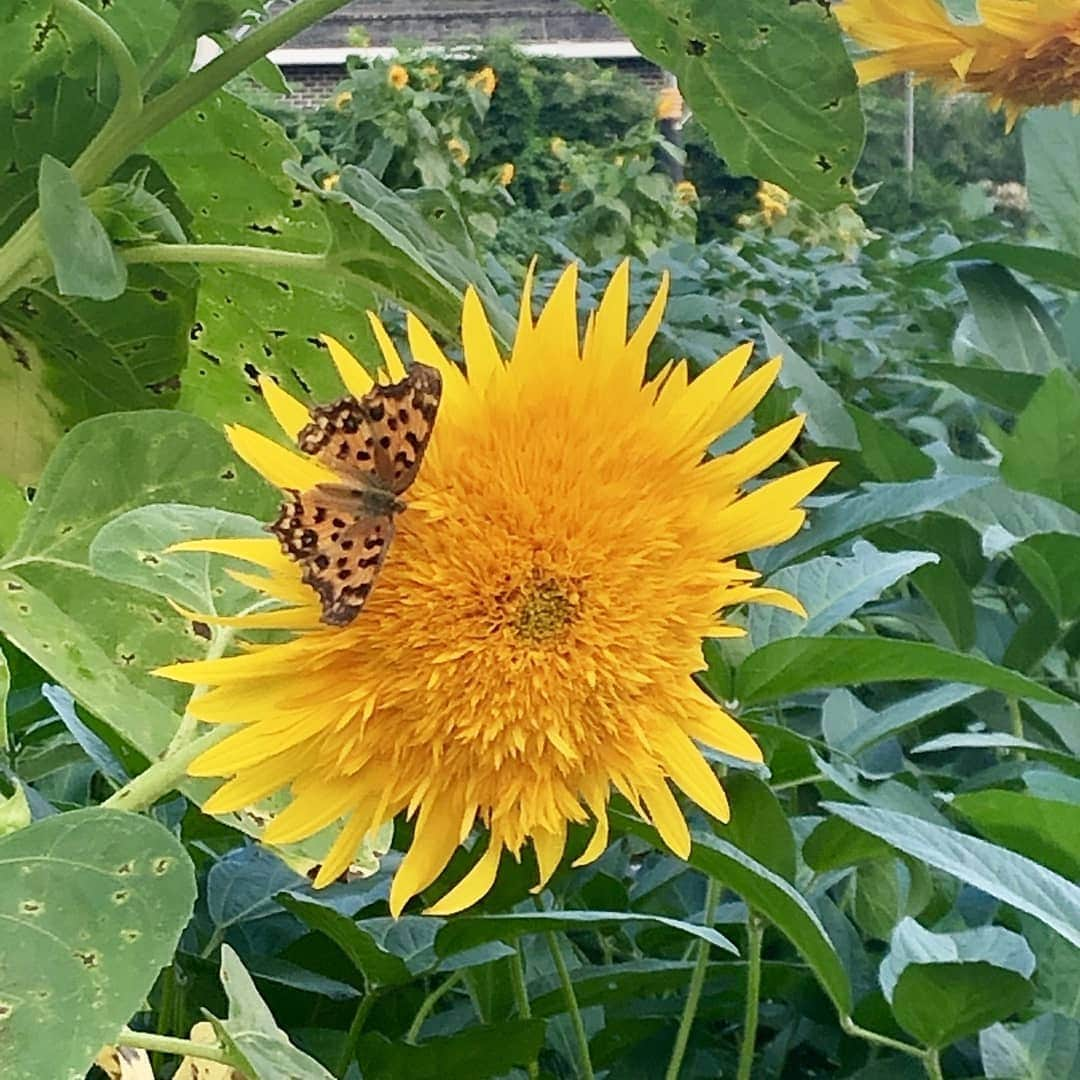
(339, 533)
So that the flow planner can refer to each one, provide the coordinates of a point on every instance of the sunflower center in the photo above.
(543, 611)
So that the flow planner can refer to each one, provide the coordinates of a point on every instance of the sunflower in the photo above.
(506, 173)
(532, 637)
(485, 80)
(1022, 53)
(397, 76)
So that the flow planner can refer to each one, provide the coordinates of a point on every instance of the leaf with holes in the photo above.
(94, 904)
(768, 79)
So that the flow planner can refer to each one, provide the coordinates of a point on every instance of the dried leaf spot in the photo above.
(125, 868)
(269, 230)
(200, 629)
(823, 163)
(196, 331)
(160, 295)
(130, 936)
(14, 586)
(6, 1010)
(89, 958)
(148, 558)
(696, 47)
(120, 896)
(163, 865)
(31, 907)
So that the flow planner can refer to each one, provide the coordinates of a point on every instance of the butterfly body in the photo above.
(339, 533)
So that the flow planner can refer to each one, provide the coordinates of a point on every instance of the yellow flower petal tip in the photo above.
(533, 636)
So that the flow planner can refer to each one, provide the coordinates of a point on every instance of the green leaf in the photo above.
(1040, 455)
(261, 1049)
(241, 886)
(873, 504)
(882, 891)
(83, 260)
(768, 894)
(1041, 263)
(999, 741)
(1003, 517)
(13, 507)
(758, 824)
(795, 664)
(888, 455)
(131, 550)
(1009, 390)
(5, 688)
(903, 714)
(468, 931)
(832, 590)
(1003, 874)
(479, 1053)
(1045, 1048)
(1042, 829)
(770, 82)
(1051, 140)
(95, 901)
(940, 1003)
(835, 844)
(827, 420)
(15, 812)
(1019, 332)
(1051, 562)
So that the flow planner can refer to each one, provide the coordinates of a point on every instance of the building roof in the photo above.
(391, 22)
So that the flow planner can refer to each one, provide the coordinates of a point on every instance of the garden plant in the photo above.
(502, 578)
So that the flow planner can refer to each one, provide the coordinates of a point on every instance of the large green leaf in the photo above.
(1009, 877)
(796, 664)
(1009, 390)
(1052, 564)
(1040, 455)
(769, 80)
(903, 714)
(94, 902)
(1051, 139)
(1045, 830)
(1044, 264)
(1017, 330)
(1003, 517)
(832, 590)
(1045, 1048)
(767, 893)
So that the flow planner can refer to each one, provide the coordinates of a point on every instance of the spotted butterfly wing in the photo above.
(340, 533)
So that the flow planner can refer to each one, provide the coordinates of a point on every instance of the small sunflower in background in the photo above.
(485, 80)
(397, 76)
(529, 641)
(458, 151)
(507, 172)
(1021, 53)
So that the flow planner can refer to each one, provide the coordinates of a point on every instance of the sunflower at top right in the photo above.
(1021, 53)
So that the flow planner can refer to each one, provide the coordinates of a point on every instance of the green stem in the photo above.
(174, 102)
(1016, 722)
(932, 1064)
(165, 1044)
(352, 1037)
(572, 1007)
(430, 1002)
(242, 254)
(164, 775)
(755, 932)
(849, 1027)
(697, 981)
(521, 1000)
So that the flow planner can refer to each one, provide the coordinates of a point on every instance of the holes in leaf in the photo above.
(823, 163)
(269, 230)
(89, 958)
(131, 935)
(160, 295)
(300, 379)
(696, 47)
(31, 907)
(125, 868)
(228, 474)
(120, 896)
(162, 865)
(200, 629)
(215, 360)
(196, 331)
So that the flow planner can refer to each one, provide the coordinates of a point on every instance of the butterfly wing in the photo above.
(380, 438)
(339, 544)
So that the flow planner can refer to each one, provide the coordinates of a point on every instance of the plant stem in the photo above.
(849, 1027)
(352, 1037)
(697, 981)
(430, 1002)
(932, 1063)
(96, 167)
(521, 1000)
(1016, 719)
(166, 1044)
(243, 254)
(572, 1007)
(755, 932)
(163, 775)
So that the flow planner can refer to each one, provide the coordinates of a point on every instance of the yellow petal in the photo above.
(473, 886)
(254, 549)
(310, 812)
(395, 366)
(255, 784)
(436, 837)
(637, 348)
(549, 847)
(692, 773)
(482, 358)
(342, 852)
(280, 466)
(666, 816)
(292, 416)
(609, 334)
(355, 377)
(597, 844)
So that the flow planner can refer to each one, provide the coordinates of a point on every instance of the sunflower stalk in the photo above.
(697, 982)
(576, 1021)
(166, 1044)
(430, 1002)
(521, 999)
(755, 933)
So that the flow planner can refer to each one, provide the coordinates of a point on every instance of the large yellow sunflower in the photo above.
(1022, 53)
(532, 638)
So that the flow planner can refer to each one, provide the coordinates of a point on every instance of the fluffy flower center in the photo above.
(542, 610)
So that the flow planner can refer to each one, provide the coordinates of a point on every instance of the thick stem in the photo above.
(521, 1000)
(165, 1044)
(697, 981)
(352, 1037)
(572, 1007)
(1016, 722)
(849, 1027)
(190, 91)
(755, 932)
(241, 254)
(163, 776)
(430, 1002)
(932, 1064)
